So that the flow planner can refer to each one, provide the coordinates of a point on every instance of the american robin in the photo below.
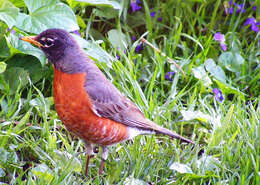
(87, 103)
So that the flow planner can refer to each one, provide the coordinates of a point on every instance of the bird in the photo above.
(87, 103)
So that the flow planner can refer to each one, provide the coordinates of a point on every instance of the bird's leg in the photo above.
(90, 154)
(104, 157)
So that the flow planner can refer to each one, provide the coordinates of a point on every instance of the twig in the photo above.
(163, 54)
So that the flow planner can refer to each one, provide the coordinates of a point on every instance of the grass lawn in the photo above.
(213, 99)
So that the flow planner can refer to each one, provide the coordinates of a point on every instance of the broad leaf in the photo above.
(15, 77)
(64, 159)
(94, 51)
(55, 15)
(117, 39)
(33, 5)
(28, 63)
(42, 171)
(214, 70)
(8, 13)
(181, 168)
(207, 163)
(200, 116)
(231, 61)
(110, 3)
(228, 89)
(2, 173)
(2, 67)
(18, 46)
(4, 50)
(8, 156)
(18, 3)
(200, 73)
(106, 12)
(134, 181)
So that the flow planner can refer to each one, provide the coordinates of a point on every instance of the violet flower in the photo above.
(152, 14)
(12, 30)
(76, 32)
(221, 39)
(239, 7)
(133, 38)
(254, 24)
(218, 95)
(134, 5)
(169, 75)
(119, 50)
(139, 48)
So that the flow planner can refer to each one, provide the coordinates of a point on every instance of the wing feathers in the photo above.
(108, 102)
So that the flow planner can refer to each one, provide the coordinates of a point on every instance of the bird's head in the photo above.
(53, 42)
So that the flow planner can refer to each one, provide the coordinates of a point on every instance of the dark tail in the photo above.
(167, 132)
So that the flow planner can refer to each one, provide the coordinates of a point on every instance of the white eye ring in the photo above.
(49, 43)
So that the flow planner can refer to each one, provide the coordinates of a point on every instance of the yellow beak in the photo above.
(31, 39)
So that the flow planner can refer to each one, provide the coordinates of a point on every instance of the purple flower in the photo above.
(12, 30)
(152, 14)
(240, 8)
(254, 8)
(133, 38)
(231, 10)
(218, 95)
(139, 48)
(169, 75)
(221, 39)
(119, 50)
(76, 32)
(134, 5)
(254, 24)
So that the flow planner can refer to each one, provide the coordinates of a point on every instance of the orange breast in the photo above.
(74, 108)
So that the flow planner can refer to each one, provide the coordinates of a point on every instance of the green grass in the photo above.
(35, 147)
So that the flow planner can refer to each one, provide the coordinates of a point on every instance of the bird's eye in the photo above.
(49, 42)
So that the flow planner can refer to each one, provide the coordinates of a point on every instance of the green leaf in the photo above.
(3, 155)
(2, 67)
(214, 70)
(64, 159)
(2, 172)
(30, 64)
(228, 89)
(94, 51)
(18, 46)
(7, 157)
(15, 77)
(56, 15)
(106, 12)
(4, 50)
(134, 181)
(8, 13)
(231, 61)
(200, 73)
(81, 22)
(110, 3)
(181, 168)
(18, 3)
(207, 163)
(117, 39)
(42, 171)
(33, 5)
(189, 115)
